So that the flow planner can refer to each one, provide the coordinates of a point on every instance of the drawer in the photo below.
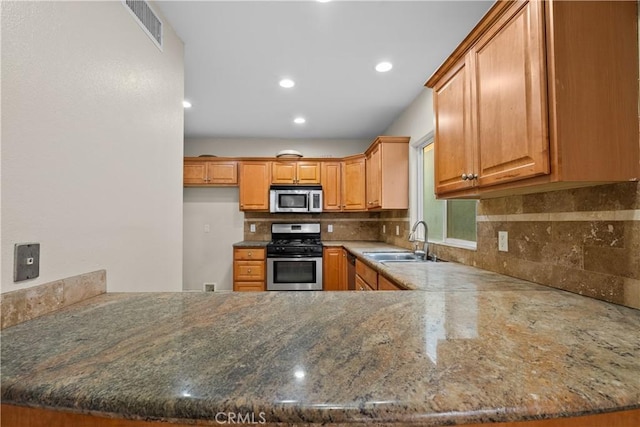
(248, 271)
(367, 273)
(248, 253)
(385, 284)
(361, 285)
(248, 286)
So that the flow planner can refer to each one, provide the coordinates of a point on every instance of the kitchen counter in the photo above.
(251, 244)
(442, 356)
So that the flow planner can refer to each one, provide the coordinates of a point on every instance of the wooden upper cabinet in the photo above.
(331, 180)
(540, 96)
(255, 178)
(295, 172)
(509, 97)
(219, 172)
(374, 178)
(455, 150)
(354, 183)
(387, 173)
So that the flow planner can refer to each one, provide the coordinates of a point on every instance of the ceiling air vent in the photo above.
(147, 19)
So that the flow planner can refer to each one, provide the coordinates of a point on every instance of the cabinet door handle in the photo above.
(475, 176)
(248, 270)
(249, 254)
(464, 177)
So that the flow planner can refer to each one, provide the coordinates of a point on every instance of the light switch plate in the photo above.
(252, 228)
(26, 261)
(330, 228)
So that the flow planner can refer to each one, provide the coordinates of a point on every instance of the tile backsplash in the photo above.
(346, 226)
(585, 240)
(26, 304)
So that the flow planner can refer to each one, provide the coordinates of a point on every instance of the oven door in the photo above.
(294, 274)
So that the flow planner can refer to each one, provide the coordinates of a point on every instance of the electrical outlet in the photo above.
(209, 287)
(384, 229)
(397, 230)
(207, 228)
(252, 228)
(503, 241)
(330, 228)
(26, 258)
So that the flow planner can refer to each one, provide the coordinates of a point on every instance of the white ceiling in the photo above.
(237, 51)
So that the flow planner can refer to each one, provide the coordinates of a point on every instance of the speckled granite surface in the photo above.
(442, 357)
(250, 244)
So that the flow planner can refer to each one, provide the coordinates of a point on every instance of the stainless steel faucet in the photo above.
(424, 253)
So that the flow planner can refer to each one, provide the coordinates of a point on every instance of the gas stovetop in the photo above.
(295, 240)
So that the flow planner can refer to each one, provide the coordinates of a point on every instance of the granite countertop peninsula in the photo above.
(436, 357)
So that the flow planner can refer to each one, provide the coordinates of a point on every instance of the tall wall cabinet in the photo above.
(540, 96)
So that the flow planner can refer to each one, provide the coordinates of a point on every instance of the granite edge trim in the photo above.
(29, 303)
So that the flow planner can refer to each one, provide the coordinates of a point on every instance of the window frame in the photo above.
(417, 207)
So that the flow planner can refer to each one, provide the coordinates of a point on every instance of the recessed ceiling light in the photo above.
(324, 1)
(384, 66)
(299, 120)
(287, 83)
(186, 104)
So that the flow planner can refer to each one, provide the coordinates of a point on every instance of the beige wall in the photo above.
(208, 256)
(92, 131)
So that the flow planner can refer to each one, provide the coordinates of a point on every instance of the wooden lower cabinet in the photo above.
(368, 279)
(385, 284)
(334, 269)
(367, 275)
(361, 285)
(249, 269)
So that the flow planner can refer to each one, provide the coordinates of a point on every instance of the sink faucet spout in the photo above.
(424, 253)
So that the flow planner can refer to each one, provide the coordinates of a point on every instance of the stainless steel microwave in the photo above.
(295, 198)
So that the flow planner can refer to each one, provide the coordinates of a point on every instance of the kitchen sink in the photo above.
(391, 256)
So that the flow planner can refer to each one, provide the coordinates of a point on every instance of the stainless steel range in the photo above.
(294, 258)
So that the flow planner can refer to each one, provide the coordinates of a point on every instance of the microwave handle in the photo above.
(309, 197)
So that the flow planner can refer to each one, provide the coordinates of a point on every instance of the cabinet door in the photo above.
(308, 173)
(374, 178)
(353, 184)
(385, 284)
(331, 270)
(222, 173)
(194, 173)
(361, 285)
(509, 97)
(454, 146)
(283, 172)
(255, 178)
(331, 186)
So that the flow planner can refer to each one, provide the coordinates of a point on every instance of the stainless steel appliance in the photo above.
(294, 258)
(295, 198)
